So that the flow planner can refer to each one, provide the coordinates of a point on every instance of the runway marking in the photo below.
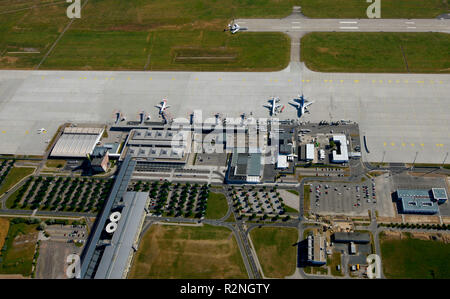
(326, 81)
(403, 144)
(84, 78)
(381, 81)
(128, 78)
(349, 28)
(243, 79)
(390, 81)
(348, 22)
(373, 81)
(296, 22)
(26, 132)
(342, 81)
(397, 81)
(173, 78)
(307, 80)
(42, 77)
(412, 27)
(303, 80)
(112, 78)
(3, 131)
(412, 144)
(276, 80)
(150, 78)
(62, 77)
(289, 80)
(385, 144)
(392, 144)
(409, 22)
(422, 144)
(420, 82)
(440, 82)
(406, 81)
(220, 79)
(95, 78)
(356, 81)
(296, 27)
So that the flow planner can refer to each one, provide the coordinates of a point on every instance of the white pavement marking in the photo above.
(348, 22)
(296, 27)
(412, 27)
(349, 28)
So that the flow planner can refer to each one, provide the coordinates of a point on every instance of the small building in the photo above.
(341, 154)
(322, 154)
(352, 249)
(99, 159)
(440, 195)
(307, 152)
(282, 162)
(355, 237)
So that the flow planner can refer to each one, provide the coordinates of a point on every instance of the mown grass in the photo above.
(188, 253)
(14, 176)
(119, 35)
(389, 8)
(217, 206)
(276, 250)
(376, 52)
(414, 258)
(4, 226)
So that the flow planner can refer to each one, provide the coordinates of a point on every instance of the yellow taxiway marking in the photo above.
(373, 81)
(326, 81)
(173, 78)
(422, 144)
(112, 78)
(3, 131)
(389, 81)
(392, 143)
(289, 80)
(150, 78)
(403, 144)
(26, 132)
(128, 78)
(406, 81)
(412, 144)
(220, 79)
(381, 81)
(342, 81)
(243, 79)
(356, 81)
(84, 78)
(42, 77)
(95, 78)
(276, 80)
(62, 77)
(397, 81)
(307, 80)
(440, 82)
(331, 81)
(385, 144)
(420, 82)
(303, 80)
(439, 145)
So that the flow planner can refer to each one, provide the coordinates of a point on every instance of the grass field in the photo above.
(306, 199)
(334, 261)
(376, 52)
(20, 247)
(138, 35)
(276, 251)
(55, 163)
(414, 258)
(408, 9)
(183, 252)
(217, 206)
(14, 176)
(4, 226)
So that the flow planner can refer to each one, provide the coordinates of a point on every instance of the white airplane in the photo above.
(274, 106)
(233, 28)
(162, 106)
(301, 104)
(42, 130)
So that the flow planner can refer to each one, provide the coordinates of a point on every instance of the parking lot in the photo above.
(344, 198)
(67, 233)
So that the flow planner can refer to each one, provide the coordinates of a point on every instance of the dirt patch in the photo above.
(12, 276)
(9, 59)
(4, 227)
(421, 219)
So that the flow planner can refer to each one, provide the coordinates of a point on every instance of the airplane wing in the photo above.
(307, 104)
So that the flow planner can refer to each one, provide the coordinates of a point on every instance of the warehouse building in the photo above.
(420, 201)
(355, 237)
(307, 152)
(76, 142)
(316, 250)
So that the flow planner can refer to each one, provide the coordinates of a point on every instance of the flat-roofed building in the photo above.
(341, 154)
(316, 250)
(159, 147)
(245, 167)
(77, 142)
(440, 195)
(417, 201)
(348, 237)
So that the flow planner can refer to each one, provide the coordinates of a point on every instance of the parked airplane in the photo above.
(162, 106)
(274, 106)
(233, 28)
(42, 130)
(301, 104)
